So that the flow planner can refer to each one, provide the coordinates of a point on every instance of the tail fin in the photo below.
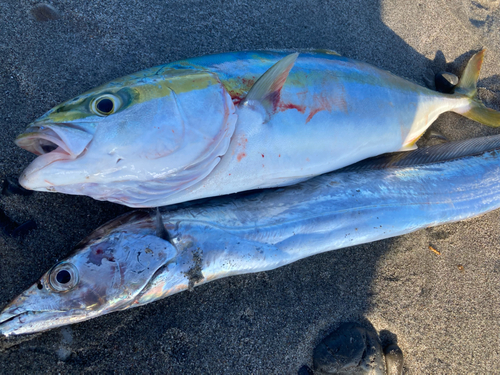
(475, 110)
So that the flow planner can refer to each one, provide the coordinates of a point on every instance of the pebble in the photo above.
(445, 82)
(305, 370)
(351, 349)
(11, 187)
(45, 12)
(6, 224)
(394, 360)
(24, 228)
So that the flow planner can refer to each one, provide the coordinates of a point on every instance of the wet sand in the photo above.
(443, 310)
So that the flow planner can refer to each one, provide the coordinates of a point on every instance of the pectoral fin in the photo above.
(267, 89)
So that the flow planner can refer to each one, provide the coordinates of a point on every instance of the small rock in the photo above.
(351, 349)
(11, 187)
(445, 82)
(63, 353)
(6, 224)
(432, 138)
(394, 360)
(24, 228)
(305, 370)
(45, 12)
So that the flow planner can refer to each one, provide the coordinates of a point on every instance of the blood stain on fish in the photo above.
(286, 106)
(97, 255)
(328, 103)
(242, 145)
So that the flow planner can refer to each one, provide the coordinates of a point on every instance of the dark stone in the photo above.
(11, 187)
(305, 370)
(445, 82)
(45, 12)
(394, 360)
(24, 228)
(351, 349)
(431, 138)
(6, 224)
(373, 362)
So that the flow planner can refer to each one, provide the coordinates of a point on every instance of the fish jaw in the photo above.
(71, 137)
(37, 321)
(38, 309)
(107, 272)
(53, 142)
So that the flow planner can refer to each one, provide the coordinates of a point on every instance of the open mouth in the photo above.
(63, 138)
(52, 142)
(41, 142)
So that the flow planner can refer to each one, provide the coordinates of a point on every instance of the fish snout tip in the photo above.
(31, 180)
(7, 320)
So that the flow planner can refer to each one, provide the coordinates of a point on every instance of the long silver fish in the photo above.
(227, 123)
(141, 257)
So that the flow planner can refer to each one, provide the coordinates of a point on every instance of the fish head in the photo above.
(107, 272)
(118, 141)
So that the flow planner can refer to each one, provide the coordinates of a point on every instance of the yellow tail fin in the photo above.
(476, 110)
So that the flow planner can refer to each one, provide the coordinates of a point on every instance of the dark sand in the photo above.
(445, 319)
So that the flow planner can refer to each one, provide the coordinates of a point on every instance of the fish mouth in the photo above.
(17, 323)
(42, 138)
(27, 322)
(9, 322)
(52, 142)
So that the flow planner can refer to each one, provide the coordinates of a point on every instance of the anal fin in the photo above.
(409, 147)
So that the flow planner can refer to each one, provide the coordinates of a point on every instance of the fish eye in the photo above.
(106, 105)
(63, 277)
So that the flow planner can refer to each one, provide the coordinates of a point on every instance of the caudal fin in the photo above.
(475, 110)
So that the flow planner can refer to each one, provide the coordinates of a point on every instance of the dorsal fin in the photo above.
(267, 88)
(160, 228)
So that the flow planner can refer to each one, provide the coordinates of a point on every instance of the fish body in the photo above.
(141, 257)
(210, 126)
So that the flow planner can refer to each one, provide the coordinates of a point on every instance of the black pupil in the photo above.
(63, 277)
(105, 105)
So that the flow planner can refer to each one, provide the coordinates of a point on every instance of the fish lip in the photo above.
(69, 139)
(6, 318)
(30, 321)
(42, 130)
(41, 162)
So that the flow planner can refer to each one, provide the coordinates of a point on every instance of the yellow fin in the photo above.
(468, 81)
(474, 109)
(409, 147)
(266, 89)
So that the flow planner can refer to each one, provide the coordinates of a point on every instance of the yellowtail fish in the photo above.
(142, 257)
(232, 122)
